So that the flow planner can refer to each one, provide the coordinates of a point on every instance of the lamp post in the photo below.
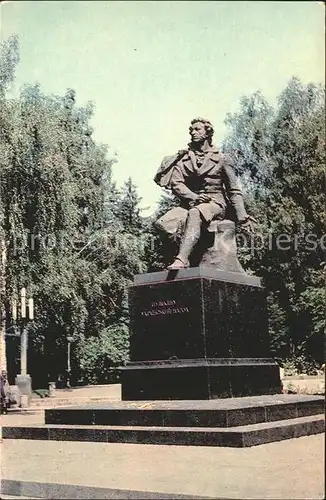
(24, 314)
(70, 340)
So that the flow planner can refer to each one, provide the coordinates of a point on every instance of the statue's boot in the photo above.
(178, 264)
(190, 238)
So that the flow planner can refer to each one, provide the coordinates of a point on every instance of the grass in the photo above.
(40, 393)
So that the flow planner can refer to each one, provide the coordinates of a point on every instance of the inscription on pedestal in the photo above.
(163, 307)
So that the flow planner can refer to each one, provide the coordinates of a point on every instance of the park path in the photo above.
(291, 469)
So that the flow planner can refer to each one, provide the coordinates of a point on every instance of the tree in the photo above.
(59, 207)
(128, 208)
(250, 143)
(53, 198)
(9, 57)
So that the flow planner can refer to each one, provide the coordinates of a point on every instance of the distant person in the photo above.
(4, 392)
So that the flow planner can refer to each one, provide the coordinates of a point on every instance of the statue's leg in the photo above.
(168, 224)
(189, 239)
(170, 227)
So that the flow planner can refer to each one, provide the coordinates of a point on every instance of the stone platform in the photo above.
(235, 422)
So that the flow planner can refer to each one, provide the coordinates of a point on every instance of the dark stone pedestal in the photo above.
(198, 334)
(200, 379)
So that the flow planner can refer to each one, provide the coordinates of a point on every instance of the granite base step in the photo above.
(69, 491)
(238, 437)
(230, 412)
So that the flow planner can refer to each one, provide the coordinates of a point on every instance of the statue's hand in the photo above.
(203, 198)
(248, 225)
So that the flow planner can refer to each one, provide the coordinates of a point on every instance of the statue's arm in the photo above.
(178, 185)
(233, 189)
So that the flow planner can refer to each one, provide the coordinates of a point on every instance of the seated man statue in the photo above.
(203, 179)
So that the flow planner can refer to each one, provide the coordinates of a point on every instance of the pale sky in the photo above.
(152, 66)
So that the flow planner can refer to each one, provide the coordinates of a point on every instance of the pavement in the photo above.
(79, 396)
(22, 417)
(305, 385)
(291, 469)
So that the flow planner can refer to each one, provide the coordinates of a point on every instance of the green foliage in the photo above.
(127, 209)
(41, 393)
(99, 355)
(300, 364)
(9, 57)
(72, 238)
(250, 142)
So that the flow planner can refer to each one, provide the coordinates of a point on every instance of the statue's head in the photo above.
(201, 130)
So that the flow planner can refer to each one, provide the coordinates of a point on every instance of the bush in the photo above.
(300, 364)
(100, 356)
(41, 393)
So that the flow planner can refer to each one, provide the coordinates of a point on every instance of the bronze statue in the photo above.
(204, 181)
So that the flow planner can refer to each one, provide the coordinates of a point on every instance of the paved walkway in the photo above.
(292, 469)
(83, 391)
(23, 417)
(79, 396)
